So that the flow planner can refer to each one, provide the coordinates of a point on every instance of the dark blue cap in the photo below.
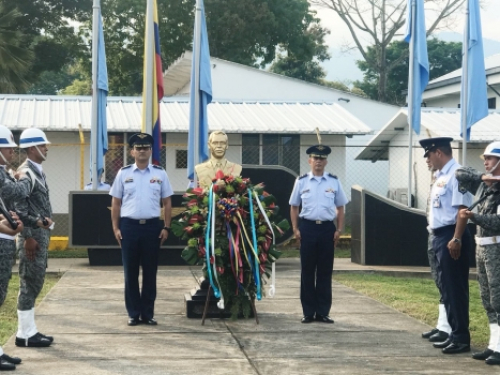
(430, 144)
(141, 140)
(319, 151)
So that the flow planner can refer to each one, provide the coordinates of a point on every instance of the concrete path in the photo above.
(85, 313)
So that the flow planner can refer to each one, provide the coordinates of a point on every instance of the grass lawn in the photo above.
(418, 298)
(8, 311)
(293, 252)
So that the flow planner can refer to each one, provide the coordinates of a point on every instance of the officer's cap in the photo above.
(140, 140)
(319, 151)
(430, 144)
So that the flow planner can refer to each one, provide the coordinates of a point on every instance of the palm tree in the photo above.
(15, 60)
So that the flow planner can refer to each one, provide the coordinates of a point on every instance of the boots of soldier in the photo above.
(27, 334)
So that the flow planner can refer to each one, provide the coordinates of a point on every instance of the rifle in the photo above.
(6, 214)
(483, 198)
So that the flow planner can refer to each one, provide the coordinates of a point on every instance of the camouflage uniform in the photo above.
(7, 247)
(487, 218)
(33, 204)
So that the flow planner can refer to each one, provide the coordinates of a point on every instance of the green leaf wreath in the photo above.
(233, 264)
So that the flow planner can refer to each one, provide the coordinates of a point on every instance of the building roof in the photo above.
(435, 122)
(124, 114)
(491, 65)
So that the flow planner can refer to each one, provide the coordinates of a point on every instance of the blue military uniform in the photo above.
(319, 197)
(140, 192)
(453, 275)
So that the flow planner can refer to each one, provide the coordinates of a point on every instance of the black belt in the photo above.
(441, 230)
(318, 221)
(141, 221)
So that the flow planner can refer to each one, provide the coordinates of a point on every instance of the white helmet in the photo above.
(6, 137)
(32, 137)
(493, 149)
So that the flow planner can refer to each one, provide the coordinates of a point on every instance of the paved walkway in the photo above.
(85, 313)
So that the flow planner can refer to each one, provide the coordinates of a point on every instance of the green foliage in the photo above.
(444, 57)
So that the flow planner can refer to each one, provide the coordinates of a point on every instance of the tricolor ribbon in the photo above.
(272, 288)
(254, 241)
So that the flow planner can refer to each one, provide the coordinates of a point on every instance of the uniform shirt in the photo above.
(319, 196)
(446, 197)
(8, 194)
(103, 186)
(141, 191)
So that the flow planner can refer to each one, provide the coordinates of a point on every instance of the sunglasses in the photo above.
(142, 148)
(317, 158)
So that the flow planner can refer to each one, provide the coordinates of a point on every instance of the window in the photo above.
(181, 159)
(276, 149)
(492, 103)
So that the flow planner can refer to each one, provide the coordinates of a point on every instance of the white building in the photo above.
(391, 144)
(445, 91)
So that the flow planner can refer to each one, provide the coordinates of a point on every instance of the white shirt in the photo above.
(141, 191)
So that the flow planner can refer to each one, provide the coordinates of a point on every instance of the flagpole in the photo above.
(149, 58)
(465, 80)
(197, 56)
(411, 98)
(93, 127)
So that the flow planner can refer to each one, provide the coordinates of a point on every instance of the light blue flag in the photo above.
(420, 75)
(476, 107)
(102, 100)
(205, 94)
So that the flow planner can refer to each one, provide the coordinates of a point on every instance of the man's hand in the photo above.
(464, 213)
(454, 249)
(163, 235)
(31, 247)
(118, 235)
(336, 237)
(42, 225)
(296, 233)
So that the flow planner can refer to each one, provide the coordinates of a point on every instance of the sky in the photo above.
(342, 67)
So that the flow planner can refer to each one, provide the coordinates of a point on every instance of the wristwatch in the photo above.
(457, 240)
(167, 229)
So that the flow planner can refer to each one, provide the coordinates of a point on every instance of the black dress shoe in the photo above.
(482, 355)
(149, 322)
(8, 358)
(307, 319)
(50, 338)
(35, 341)
(439, 337)
(6, 366)
(428, 334)
(442, 345)
(324, 319)
(493, 359)
(456, 347)
(133, 321)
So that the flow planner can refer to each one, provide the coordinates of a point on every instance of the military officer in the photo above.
(487, 218)
(34, 209)
(135, 214)
(7, 233)
(451, 242)
(443, 328)
(323, 200)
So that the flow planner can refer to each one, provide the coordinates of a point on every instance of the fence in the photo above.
(67, 169)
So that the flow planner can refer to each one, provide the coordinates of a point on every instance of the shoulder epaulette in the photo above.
(301, 177)
(157, 166)
(332, 175)
(127, 166)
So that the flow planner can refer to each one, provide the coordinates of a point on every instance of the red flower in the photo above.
(220, 270)
(192, 202)
(198, 191)
(201, 252)
(219, 175)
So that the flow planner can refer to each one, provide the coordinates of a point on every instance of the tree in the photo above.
(379, 21)
(302, 58)
(444, 57)
(15, 60)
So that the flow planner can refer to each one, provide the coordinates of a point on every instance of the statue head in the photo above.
(218, 144)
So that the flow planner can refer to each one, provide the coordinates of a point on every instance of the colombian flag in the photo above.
(157, 78)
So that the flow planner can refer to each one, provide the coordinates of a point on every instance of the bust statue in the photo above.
(205, 172)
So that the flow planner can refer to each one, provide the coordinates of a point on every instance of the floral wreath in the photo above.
(230, 228)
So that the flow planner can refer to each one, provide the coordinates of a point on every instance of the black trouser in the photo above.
(140, 246)
(316, 260)
(453, 276)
